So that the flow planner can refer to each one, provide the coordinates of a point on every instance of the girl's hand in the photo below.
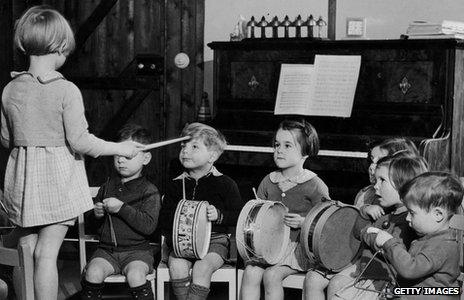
(293, 220)
(382, 236)
(98, 210)
(212, 213)
(130, 149)
(374, 211)
(112, 205)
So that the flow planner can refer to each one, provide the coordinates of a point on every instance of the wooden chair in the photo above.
(84, 238)
(295, 281)
(226, 273)
(22, 259)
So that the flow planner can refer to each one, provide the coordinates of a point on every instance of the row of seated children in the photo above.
(300, 190)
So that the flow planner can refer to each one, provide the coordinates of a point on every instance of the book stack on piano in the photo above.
(444, 30)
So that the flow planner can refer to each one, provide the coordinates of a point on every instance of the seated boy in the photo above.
(201, 182)
(126, 208)
(433, 259)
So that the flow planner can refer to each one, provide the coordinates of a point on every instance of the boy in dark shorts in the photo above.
(126, 208)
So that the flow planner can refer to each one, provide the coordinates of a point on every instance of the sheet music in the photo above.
(294, 89)
(324, 89)
(334, 85)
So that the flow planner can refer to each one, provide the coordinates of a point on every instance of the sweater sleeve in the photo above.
(168, 208)
(233, 202)
(76, 127)
(425, 262)
(262, 190)
(145, 218)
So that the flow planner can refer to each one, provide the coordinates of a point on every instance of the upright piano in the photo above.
(409, 88)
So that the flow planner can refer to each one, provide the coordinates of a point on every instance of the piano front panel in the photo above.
(405, 88)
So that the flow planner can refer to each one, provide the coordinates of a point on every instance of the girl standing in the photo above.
(43, 123)
(299, 189)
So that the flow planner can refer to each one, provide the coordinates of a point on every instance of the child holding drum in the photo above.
(201, 181)
(126, 212)
(388, 147)
(299, 189)
(391, 173)
(433, 258)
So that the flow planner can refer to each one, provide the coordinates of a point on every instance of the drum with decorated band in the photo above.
(191, 229)
(261, 234)
(327, 235)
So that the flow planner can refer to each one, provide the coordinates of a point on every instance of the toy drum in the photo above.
(327, 235)
(261, 233)
(191, 229)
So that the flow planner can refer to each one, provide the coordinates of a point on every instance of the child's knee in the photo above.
(95, 274)
(202, 268)
(314, 280)
(252, 275)
(136, 277)
(271, 277)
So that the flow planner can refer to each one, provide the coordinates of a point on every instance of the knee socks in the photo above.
(181, 287)
(197, 292)
(142, 292)
(91, 291)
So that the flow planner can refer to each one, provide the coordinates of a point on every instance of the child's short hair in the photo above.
(404, 166)
(395, 145)
(212, 138)
(306, 135)
(42, 30)
(434, 189)
(134, 132)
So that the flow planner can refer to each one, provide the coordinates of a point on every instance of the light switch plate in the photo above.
(355, 27)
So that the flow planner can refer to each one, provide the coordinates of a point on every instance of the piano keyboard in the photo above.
(335, 153)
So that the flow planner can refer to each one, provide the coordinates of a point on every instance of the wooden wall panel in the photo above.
(131, 27)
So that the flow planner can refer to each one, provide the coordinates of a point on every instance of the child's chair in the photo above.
(21, 258)
(227, 273)
(84, 238)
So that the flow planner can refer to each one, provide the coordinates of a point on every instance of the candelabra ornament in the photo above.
(320, 23)
(275, 27)
(297, 24)
(263, 24)
(251, 28)
(310, 23)
(286, 24)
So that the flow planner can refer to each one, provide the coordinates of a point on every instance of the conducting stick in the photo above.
(164, 143)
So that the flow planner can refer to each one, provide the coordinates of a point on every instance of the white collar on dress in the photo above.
(277, 177)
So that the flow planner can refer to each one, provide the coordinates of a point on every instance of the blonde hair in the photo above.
(42, 30)
(212, 138)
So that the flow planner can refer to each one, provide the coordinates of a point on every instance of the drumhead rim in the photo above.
(240, 230)
(205, 248)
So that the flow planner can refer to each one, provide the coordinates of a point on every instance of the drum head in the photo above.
(273, 234)
(337, 245)
(202, 231)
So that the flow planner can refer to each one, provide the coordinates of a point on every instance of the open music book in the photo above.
(324, 89)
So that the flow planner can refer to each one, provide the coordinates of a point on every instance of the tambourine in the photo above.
(327, 235)
(261, 233)
(191, 229)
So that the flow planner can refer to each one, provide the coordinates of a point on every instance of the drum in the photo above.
(327, 235)
(191, 229)
(261, 233)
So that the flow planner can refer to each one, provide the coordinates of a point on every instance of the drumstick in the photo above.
(164, 143)
(256, 194)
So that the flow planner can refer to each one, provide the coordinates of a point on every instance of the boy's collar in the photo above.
(44, 79)
(213, 171)
(400, 209)
(130, 182)
(447, 231)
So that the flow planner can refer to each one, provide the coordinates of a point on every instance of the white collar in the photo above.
(304, 176)
(213, 171)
